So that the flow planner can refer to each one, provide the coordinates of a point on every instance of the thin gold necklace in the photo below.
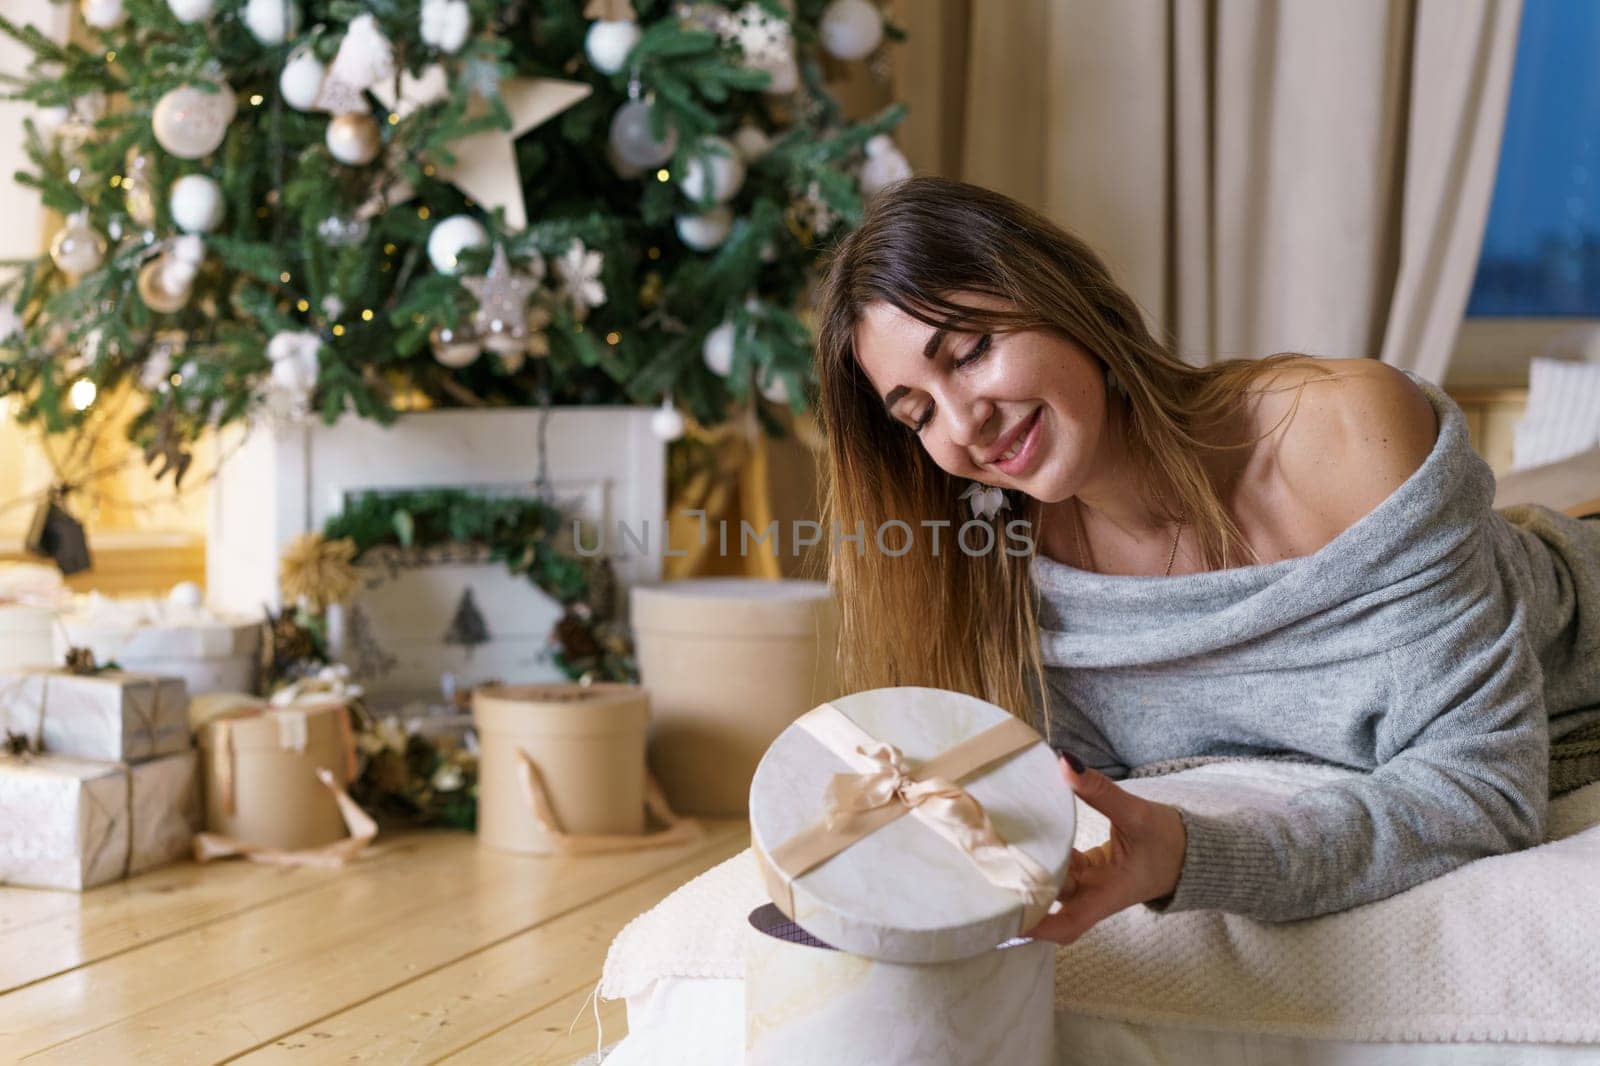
(1083, 557)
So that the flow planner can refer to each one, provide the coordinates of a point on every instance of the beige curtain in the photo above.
(1262, 175)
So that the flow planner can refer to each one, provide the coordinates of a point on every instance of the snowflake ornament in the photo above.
(761, 36)
(578, 275)
(812, 211)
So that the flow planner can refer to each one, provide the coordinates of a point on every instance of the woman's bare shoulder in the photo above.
(1341, 435)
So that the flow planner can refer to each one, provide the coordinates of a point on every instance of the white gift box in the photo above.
(75, 823)
(110, 716)
(809, 1005)
(911, 835)
(29, 597)
(210, 652)
(25, 635)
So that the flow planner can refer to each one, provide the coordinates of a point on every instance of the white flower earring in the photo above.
(986, 500)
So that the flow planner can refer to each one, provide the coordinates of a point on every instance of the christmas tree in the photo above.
(290, 209)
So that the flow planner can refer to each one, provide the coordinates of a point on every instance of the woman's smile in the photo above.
(1024, 451)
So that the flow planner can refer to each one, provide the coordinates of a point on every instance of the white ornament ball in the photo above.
(185, 594)
(47, 120)
(191, 11)
(774, 387)
(885, 165)
(608, 43)
(78, 249)
(667, 421)
(450, 238)
(785, 75)
(354, 138)
(271, 21)
(301, 80)
(630, 137)
(103, 14)
(454, 348)
(851, 29)
(705, 231)
(752, 142)
(716, 169)
(717, 350)
(191, 122)
(196, 203)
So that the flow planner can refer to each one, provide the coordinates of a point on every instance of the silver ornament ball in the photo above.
(78, 249)
(632, 140)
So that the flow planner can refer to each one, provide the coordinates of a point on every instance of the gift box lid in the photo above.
(911, 824)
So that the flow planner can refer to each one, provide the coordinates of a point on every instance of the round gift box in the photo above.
(729, 663)
(587, 743)
(903, 892)
(261, 779)
(807, 1004)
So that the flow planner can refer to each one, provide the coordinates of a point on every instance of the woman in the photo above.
(1286, 557)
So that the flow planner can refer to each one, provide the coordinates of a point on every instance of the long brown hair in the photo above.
(953, 620)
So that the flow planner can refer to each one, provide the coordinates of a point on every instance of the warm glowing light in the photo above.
(338, 331)
(366, 314)
(284, 277)
(663, 174)
(81, 395)
(303, 306)
(423, 212)
(613, 337)
(255, 99)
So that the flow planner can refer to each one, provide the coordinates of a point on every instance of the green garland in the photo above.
(532, 538)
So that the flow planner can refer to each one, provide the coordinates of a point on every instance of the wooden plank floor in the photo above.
(429, 948)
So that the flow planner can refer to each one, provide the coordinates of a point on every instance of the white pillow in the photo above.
(1563, 414)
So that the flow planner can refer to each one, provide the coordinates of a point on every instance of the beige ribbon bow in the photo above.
(950, 810)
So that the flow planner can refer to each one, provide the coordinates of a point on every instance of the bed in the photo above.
(1496, 962)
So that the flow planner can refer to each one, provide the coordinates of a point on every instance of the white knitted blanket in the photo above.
(1502, 949)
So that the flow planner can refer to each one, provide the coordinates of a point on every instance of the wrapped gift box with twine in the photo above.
(907, 837)
(75, 823)
(107, 715)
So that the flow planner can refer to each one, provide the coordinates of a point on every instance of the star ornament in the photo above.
(501, 319)
(485, 166)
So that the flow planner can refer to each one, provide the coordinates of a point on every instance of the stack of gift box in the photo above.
(98, 778)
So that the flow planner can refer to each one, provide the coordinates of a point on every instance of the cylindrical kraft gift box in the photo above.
(729, 663)
(807, 1004)
(261, 780)
(583, 745)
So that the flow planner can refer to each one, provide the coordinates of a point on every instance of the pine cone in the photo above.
(576, 638)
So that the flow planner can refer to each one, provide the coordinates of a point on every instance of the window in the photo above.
(1541, 250)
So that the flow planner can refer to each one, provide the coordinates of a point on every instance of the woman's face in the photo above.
(970, 398)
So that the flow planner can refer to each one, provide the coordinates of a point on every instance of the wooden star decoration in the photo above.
(501, 319)
(485, 166)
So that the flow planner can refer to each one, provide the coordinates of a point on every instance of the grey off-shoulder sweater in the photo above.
(1436, 644)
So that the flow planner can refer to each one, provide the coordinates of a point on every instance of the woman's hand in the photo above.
(1140, 861)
